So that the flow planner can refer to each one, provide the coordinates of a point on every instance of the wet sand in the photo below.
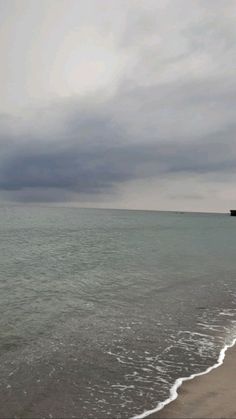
(212, 395)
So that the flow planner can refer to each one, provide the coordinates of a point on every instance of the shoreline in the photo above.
(183, 396)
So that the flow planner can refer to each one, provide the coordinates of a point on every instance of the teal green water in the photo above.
(101, 310)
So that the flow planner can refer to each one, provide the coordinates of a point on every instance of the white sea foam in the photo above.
(179, 382)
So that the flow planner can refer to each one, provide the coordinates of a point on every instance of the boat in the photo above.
(233, 213)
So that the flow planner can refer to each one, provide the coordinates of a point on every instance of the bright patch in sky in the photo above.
(84, 62)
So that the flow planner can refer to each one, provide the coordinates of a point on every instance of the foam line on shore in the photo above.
(179, 382)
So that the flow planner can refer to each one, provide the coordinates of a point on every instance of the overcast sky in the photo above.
(118, 103)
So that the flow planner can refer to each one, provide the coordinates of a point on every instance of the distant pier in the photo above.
(233, 213)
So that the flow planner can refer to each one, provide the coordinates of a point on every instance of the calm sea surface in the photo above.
(102, 310)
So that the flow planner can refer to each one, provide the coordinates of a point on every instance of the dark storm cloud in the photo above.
(94, 154)
(92, 171)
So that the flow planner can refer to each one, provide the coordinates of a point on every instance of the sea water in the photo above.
(103, 310)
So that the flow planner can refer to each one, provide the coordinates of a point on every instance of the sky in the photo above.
(118, 103)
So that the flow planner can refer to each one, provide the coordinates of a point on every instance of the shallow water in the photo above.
(102, 310)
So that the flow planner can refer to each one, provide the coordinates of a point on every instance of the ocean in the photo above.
(103, 310)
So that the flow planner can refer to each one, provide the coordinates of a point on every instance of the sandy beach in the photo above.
(208, 396)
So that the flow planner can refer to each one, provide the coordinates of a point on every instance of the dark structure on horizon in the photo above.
(233, 213)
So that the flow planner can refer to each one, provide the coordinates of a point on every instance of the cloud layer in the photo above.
(170, 115)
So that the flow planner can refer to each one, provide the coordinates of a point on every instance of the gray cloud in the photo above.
(172, 114)
(87, 160)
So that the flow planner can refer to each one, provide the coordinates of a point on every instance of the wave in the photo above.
(178, 383)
